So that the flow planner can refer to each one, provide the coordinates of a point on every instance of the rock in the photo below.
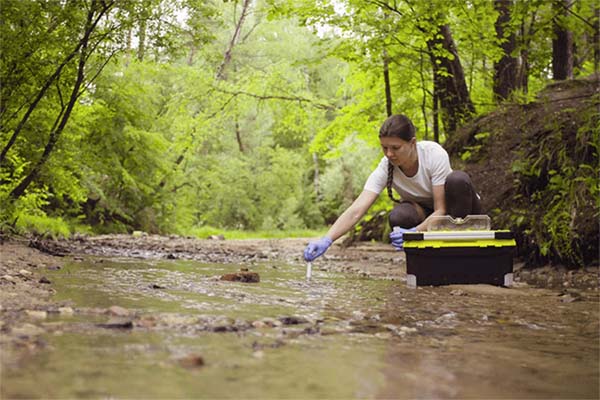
(293, 320)
(53, 267)
(258, 354)
(191, 361)
(9, 278)
(156, 286)
(27, 330)
(25, 273)
(36, 314)
(118, 311)
(146, 322)
(65, 311)
(406, 329)
(570, 298)
(45, 280)
(242, 276)
(259, 324)
(267, 323)
(216, 237)
(117, 324)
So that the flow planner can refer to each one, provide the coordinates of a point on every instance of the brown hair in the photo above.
(399, 126)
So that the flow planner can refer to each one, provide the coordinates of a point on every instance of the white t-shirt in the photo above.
(434, 167)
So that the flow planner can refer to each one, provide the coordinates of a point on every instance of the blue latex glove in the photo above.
(317, 248)
(397, 236)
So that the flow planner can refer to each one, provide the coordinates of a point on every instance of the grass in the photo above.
(43, 225)
(206, 231)
(56, 227)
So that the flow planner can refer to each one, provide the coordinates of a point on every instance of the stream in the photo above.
(142, 328)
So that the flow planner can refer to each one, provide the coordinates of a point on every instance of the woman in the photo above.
(420, 172)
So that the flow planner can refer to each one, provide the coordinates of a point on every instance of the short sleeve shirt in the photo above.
(434, 167)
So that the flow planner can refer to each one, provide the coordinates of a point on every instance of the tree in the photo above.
(96, 11)
(562, 42)
(450, 87)
(506, 69)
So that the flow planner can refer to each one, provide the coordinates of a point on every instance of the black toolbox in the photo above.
(459, 257)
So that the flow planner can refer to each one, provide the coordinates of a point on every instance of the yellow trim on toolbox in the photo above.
(422, 244)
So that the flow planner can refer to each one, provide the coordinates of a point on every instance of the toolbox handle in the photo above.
(458, 235)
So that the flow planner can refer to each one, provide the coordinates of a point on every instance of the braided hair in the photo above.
(399, 126)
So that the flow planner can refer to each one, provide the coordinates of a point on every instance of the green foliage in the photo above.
(256, 193)
(345, 175)
(42, 225)
(471, 153)
(206, 232)
(557, 186)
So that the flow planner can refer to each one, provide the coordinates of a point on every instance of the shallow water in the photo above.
(337, 336)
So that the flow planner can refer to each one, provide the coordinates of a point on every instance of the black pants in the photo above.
(461, 200)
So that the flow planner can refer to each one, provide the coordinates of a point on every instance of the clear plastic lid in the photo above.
(469, 223)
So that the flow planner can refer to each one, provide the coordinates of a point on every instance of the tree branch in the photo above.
(277, 97)
(232, 42)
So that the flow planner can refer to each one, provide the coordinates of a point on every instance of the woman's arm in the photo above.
(353, 214)
(439, 207)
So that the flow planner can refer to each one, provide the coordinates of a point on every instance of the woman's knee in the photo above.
(458, 181)
(404, 215)
(461, 197)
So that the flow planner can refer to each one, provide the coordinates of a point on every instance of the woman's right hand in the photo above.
(317, 248)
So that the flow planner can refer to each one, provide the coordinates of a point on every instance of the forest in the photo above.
(196, 117)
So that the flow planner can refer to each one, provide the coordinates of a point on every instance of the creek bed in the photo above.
(178, 331)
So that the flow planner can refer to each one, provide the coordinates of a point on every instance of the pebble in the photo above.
(259, 324)
(242, 276)
(36, 314)
(267, 323)
(26, 273)
(258, 354)
(65, 311)
(118, 311)
(191, 361)
(293, 320)
(28, 330)
(9, 278)
(117, 324)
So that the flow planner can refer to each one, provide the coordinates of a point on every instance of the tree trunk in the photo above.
(453, 92)
(424, 100)
(238, 29)
(316, 177)
(435, 106)
(93, 18)
(596, 38)
(141, 51)
(238, 135)
(562, 43)
(386, 80)
(505, 70)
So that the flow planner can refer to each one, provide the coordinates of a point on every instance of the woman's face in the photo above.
(398, 151)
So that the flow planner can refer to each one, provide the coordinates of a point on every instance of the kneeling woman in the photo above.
(420, 172)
